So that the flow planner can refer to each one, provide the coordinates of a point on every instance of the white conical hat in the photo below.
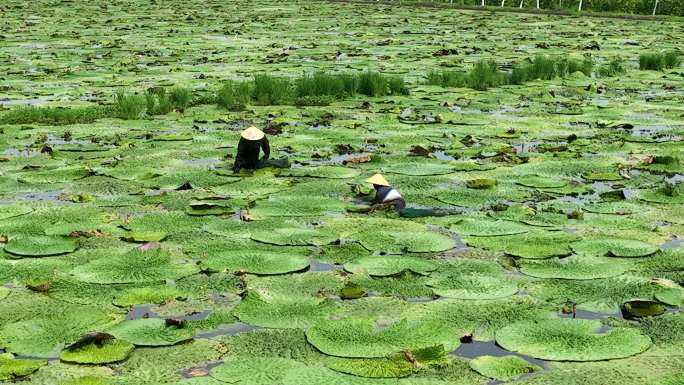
(252, 133)
(378, 179)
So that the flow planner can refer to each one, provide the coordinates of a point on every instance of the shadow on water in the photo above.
(199, 371)
(228, 330)
(671, 244)
(490, 348)
(316, 265)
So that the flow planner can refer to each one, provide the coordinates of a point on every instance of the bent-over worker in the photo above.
(252, 141)
(385, 194)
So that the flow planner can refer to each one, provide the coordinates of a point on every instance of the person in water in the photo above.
(385, 194)
(252, 142)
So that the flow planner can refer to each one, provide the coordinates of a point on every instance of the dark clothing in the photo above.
(388, 196)
(248, 154)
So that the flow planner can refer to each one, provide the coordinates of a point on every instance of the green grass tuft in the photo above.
(658, 61)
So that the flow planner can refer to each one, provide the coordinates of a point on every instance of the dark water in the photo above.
(199, 371)
(228, 330)
(490, 348)
(671, 244)
(316, 265)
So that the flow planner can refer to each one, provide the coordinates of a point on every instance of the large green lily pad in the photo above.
(571, 340)
(502, 368)
(40, 246)
(151, 332)
(363, 338)
(136, 266)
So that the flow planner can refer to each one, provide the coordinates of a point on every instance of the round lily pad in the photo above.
(673, 296)
(135, 266)
(147, 295)
(390, 265)
(295, 236)
(330, 172)
(40, 246)
(105, 352)
(395, 365)
(283, 311)
(418, 168)
(257, 261)
(11, 368)
(255, 370)
(502, 368)
(574, 267)
(538, 181)
(615, 247)
(151, 332)
(483, 227)
(571, 340)
(10, 211)
(641, 308)
(471, 286)
(363, 338)
(532, 245)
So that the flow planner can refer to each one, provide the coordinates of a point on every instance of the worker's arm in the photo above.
(238, 157)
(266, 148)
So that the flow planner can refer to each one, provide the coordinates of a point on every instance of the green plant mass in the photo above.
(338, 192)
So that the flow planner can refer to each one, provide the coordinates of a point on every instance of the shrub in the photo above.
(269, 90)
(485, 75)
(129, 106)
(54, 115)
(659, 61)
(322, 84)
(158, 102)
(180, 97)
(671, 59)
(397, 86)
(233, 95)
(372, 84)
(612, 68)
(322, 100)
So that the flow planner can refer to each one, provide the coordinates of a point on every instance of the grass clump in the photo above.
(269, 90)
(486, 74)
(233, 95)
(317, 89)
(54, 115)
(658, 61)
(129, 107)
(612, 68)
(547, 68)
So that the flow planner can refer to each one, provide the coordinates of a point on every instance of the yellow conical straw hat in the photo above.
(252, 133)
(378, 179)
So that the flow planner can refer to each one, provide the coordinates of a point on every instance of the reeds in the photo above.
(486, 74)
(659, 61)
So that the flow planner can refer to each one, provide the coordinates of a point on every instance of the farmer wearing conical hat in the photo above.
(252, 141)
(384, 193)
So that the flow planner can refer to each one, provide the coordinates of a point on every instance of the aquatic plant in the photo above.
(129, 106)
(659, 61)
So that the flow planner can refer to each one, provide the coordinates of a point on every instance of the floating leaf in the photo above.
(361, 338)
(258, 261)
(502, 368)
(614, 247)
(151, 332)
(40, 246)
(255, 370)
(135, 266)
(108, 351)
(574, 267)
(280, 311)
(532, 245)
(400, 364)
(10, 211)
(390, 265)
(571, 340)
(11, 368)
